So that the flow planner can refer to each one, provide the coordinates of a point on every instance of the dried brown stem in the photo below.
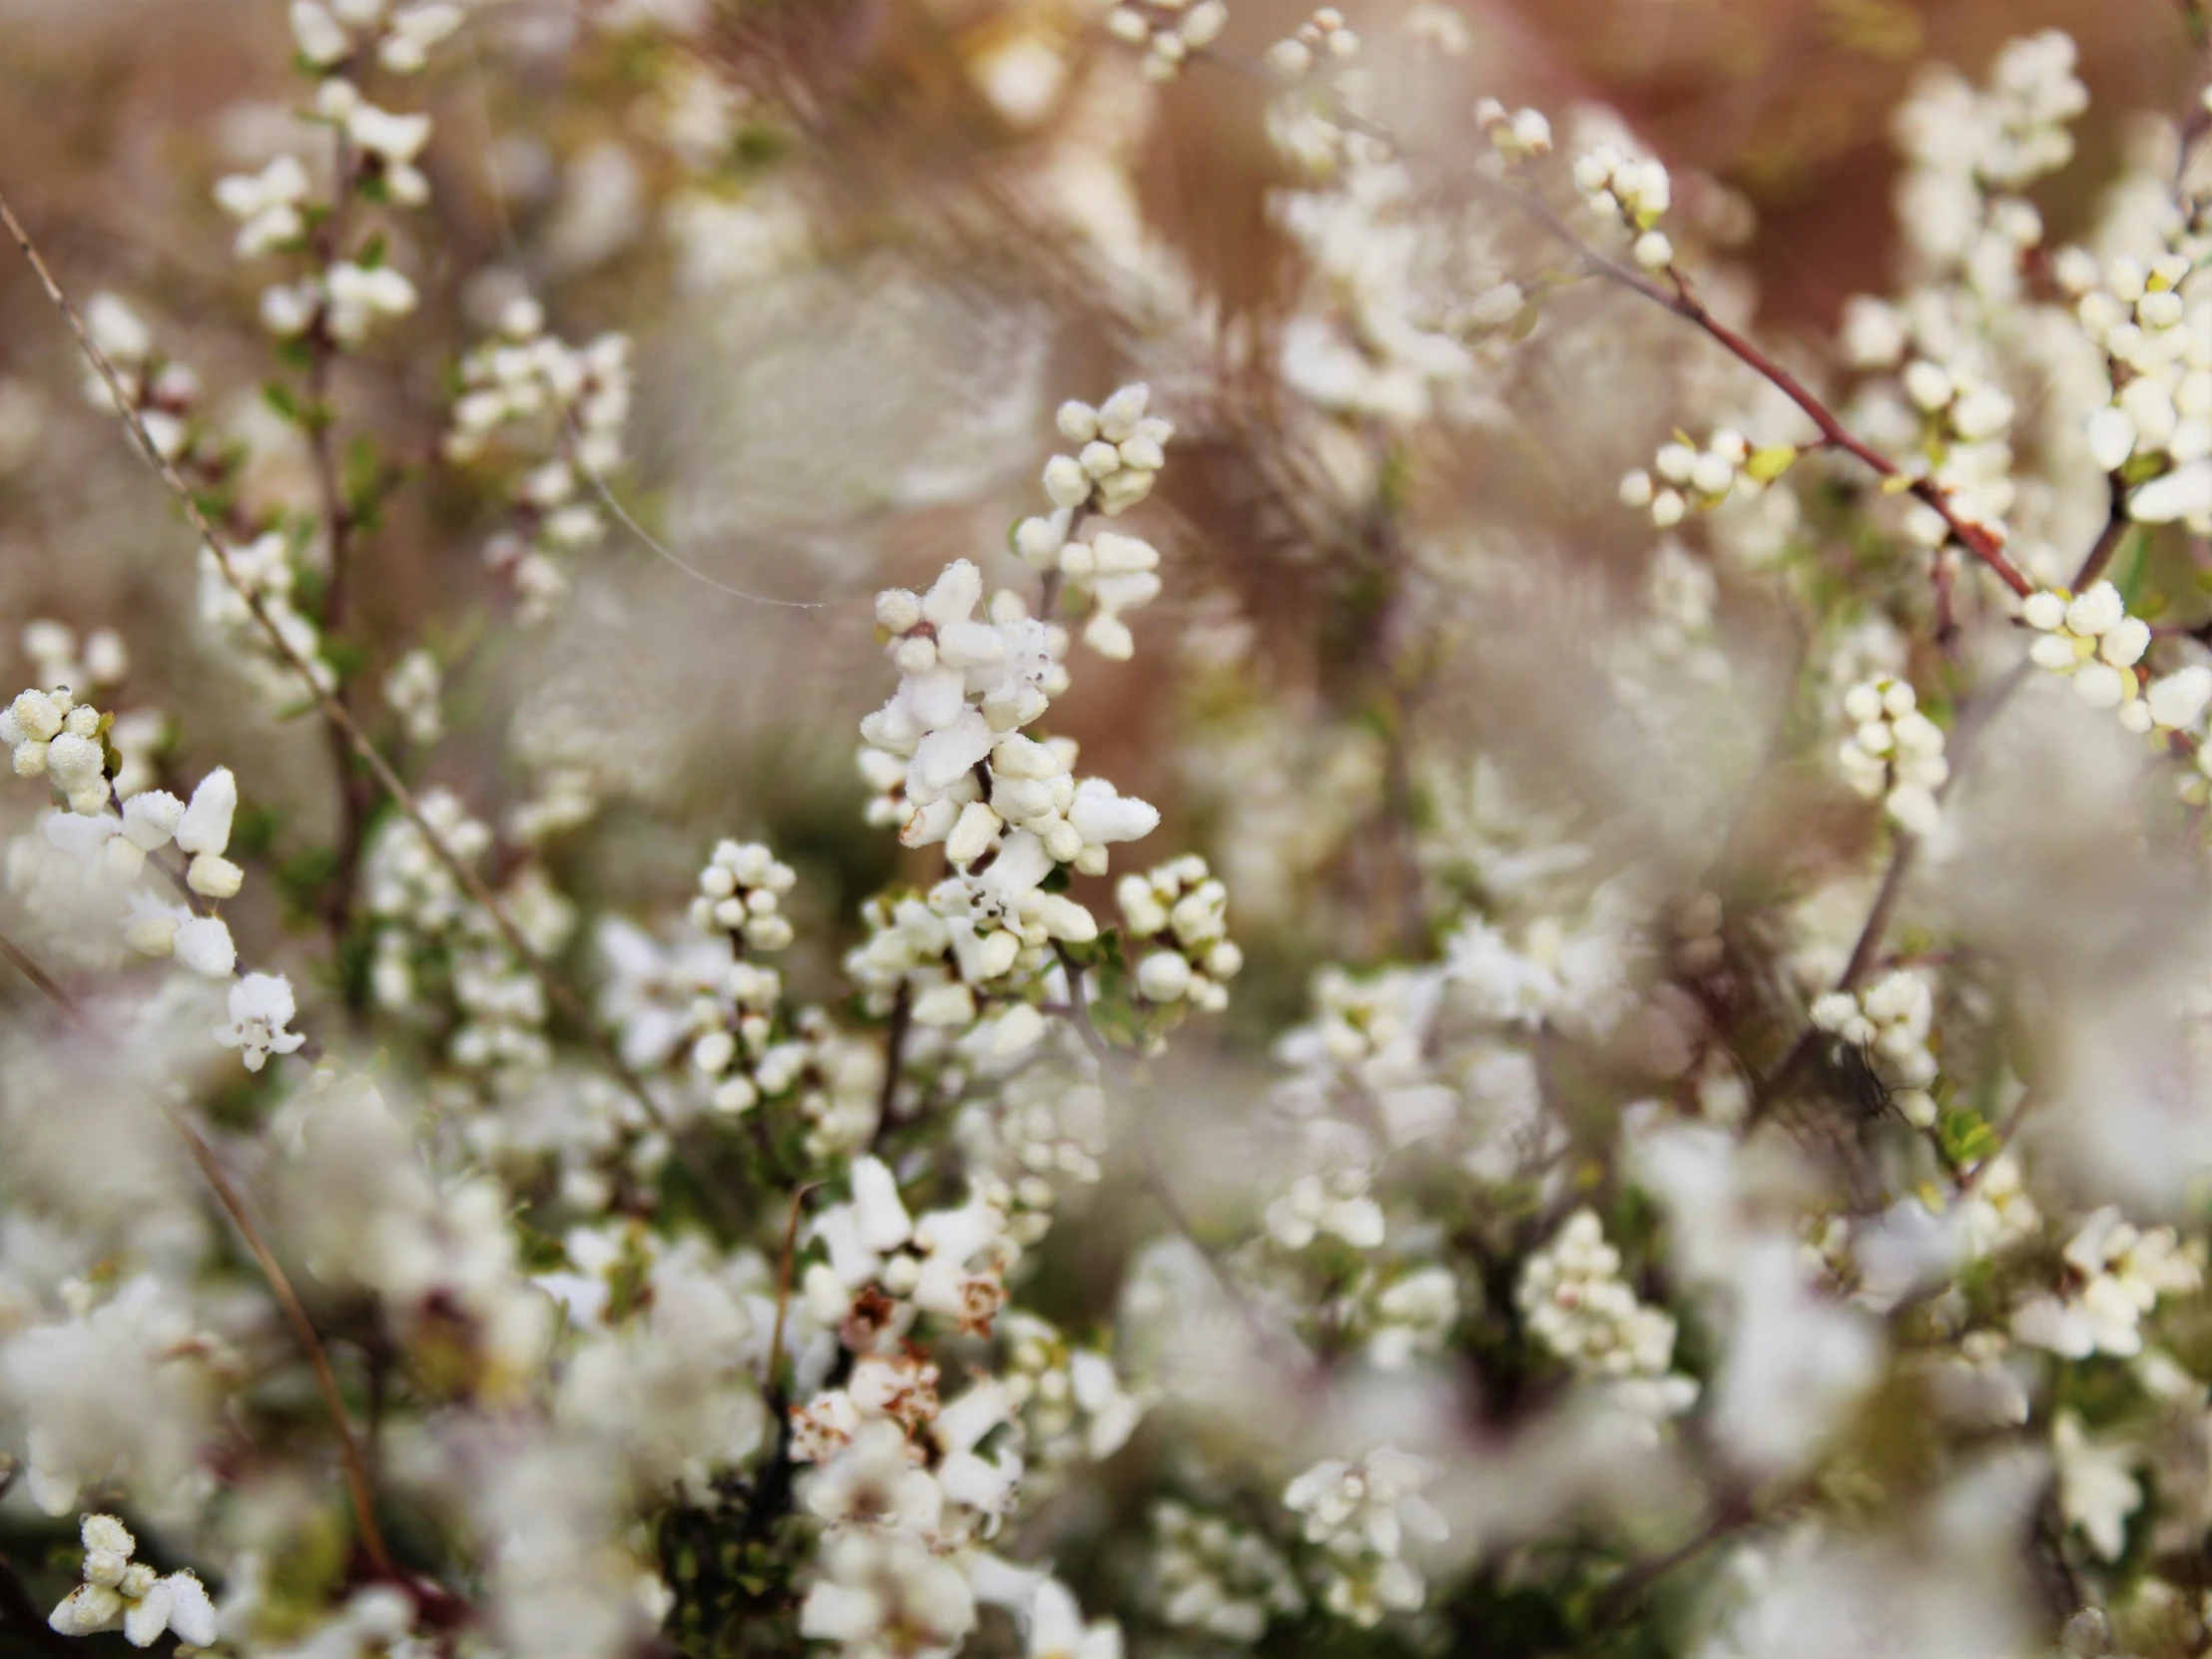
(349, 1450)
(336, 712)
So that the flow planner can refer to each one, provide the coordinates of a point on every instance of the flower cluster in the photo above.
(672, 1300)
(1575, 1303)
(1180, 912)
(332, 33)
(122, 1594)
(2117, 1273)
(1690, 477)
(1217, 1577)
(1168, 30)
(1889, 1023)
(1323, 39)
(1894, 753)
(1630, 190)
(1361, 1513)
(565, 407)
(1517, 135)
(739, 891)
(2090, 639)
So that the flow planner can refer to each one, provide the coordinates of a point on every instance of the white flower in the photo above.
(2095, 1489)
(267, 204)
(200, 943)
(260, 1008)
(1057, 1630)
(119, 1592)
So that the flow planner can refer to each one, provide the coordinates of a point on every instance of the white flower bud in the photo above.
(214, 876)
(204, 945)
(1066, 482)
(1163, 976)
(206, 825)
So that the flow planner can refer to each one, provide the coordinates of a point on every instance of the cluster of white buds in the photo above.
(1361, 1513)
(1517, 135)
(163, 391)
(735, 1022)
(1889, 1023)
(1965, 407)
(1334, 1201)
(52, 735)
(1573, 1300)
(1319, 39)
(1702, 478)
(930, 946)
(1117, 572)
(2158, 424)
(411, 893)
(411, 691)
(331, 34)
(149, 822)
(1629, 190)
(1367, 1044)
(1123, 449)
(267, 205)
(2116, 1272)
(565, 406)
(2090, 638)
(385, 145)
(1168, 30)
(1414, 1314)
(1217, 1577)
(2034, 93)
(1178, 916)
(739, 893)
(262, 568)
(345, 301)
(122, 1594)
(1894, 753)
(1044, 1132)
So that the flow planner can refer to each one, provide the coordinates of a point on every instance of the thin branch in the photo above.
(1679, 300)
(53, 988)
(894, 1055)
(302, 1328)
(334, 710)
(773, 1381)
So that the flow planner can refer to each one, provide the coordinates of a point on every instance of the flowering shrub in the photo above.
(1483, 1097)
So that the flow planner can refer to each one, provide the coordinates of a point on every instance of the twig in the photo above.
(302, 1328)
(1683, 302)
(771, 1382)
(46, 982)
(334, 710)
(895, 1054)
